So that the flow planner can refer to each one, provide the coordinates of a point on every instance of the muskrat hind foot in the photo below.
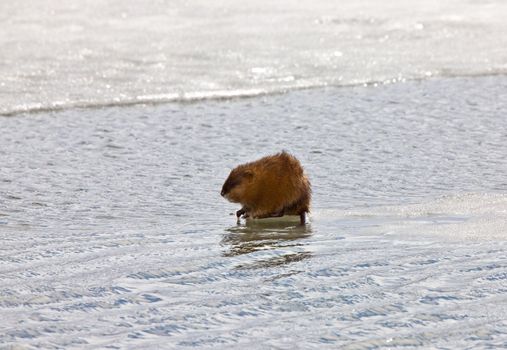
(302, 218)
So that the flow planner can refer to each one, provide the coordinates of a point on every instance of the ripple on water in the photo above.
(137, 250)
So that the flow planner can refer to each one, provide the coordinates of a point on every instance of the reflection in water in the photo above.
(267, 235)
(276, 261)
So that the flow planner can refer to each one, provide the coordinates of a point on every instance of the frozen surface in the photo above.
(113, 232)
(55, 54)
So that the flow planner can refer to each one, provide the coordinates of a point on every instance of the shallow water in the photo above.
(114, 233)
(59, 54)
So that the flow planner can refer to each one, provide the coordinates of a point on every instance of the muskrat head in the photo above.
(236, 184)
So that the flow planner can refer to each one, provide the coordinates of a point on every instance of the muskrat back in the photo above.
(271, 186)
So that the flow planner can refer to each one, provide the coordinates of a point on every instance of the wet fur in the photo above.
(269, 187)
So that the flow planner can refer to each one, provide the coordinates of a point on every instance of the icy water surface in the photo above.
(114, 233)
(59, 54)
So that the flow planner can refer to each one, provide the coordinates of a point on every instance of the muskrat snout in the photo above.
(225, 190)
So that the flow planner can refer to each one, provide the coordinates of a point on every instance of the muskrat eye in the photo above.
(233, 184)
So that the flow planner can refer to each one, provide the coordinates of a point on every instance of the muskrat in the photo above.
(272, 186)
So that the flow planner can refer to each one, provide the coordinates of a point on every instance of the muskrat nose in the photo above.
(222, 193)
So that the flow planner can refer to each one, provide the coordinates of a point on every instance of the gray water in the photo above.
(114, 233)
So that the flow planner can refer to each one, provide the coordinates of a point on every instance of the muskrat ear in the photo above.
(248, 174)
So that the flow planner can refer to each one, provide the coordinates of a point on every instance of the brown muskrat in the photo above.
(272, 186)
